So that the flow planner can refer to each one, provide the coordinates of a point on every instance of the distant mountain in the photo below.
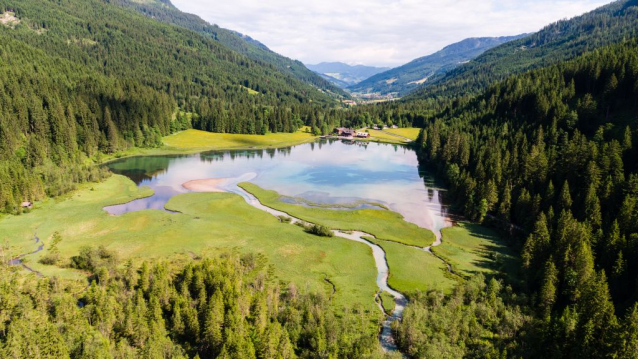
(561, 41)
(344, 75)
(402, 80)
(165, 11)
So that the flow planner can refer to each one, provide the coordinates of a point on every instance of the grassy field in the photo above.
(206, 222)
(387, 225)
(195, 139)
(472, 249)
(411, 133)
(385, 137)
(413, 269)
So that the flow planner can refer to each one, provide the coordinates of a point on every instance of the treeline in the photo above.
(480, 319)
(222, 307)
(555, 153)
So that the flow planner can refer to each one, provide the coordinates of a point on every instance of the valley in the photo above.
(174, 188)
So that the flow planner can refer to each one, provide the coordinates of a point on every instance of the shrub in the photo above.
(92, 258)
(319, 230)
(50, 259)
(285, 219)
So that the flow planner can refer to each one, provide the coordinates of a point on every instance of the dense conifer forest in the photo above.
(550, 157)
(166, 12)
(224, 307)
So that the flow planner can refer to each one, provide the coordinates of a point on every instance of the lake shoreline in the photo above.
(174, 151)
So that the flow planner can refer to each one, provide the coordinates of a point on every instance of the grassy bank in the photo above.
(193, 141)
(387, 301)
(201, 140)
(206, 222)
(387, 225)
(383, 136)
(412, 269)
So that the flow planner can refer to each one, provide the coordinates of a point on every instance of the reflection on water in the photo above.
(325, 201)
(328, 172)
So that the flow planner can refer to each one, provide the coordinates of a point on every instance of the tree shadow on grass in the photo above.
(495, 255)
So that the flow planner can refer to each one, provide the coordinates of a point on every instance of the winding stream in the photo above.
(385, 338)
(18, 260)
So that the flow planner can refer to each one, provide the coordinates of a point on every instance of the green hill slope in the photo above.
(163, 10)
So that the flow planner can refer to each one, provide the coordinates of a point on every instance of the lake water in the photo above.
(329, 172)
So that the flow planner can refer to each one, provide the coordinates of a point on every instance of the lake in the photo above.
(328, 173)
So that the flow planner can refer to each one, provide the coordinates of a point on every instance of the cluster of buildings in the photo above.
(350, 133)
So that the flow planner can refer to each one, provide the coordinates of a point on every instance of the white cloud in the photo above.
(379, 32)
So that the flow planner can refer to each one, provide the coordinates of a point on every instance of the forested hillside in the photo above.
(557, 42)
(226, 307)
(80, 78)
(165, 11)
(555, 152)
(401, 80)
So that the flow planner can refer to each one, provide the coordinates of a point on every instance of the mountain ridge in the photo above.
(343, 74)
(403, 79)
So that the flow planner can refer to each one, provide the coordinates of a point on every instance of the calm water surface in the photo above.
(327, 172)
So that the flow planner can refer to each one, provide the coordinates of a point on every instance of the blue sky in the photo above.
(379, 32)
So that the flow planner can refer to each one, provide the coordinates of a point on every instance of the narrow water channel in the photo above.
(385, 338)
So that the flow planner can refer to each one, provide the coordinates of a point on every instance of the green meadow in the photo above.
(202, 140)
(413, 269)
(382, 136)
(206, 222)
(410, 132)
(215, 222)
(193, 141)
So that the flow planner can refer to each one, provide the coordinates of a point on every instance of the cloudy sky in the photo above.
(378, 32)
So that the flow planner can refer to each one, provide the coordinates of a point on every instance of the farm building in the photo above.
(345, 132)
